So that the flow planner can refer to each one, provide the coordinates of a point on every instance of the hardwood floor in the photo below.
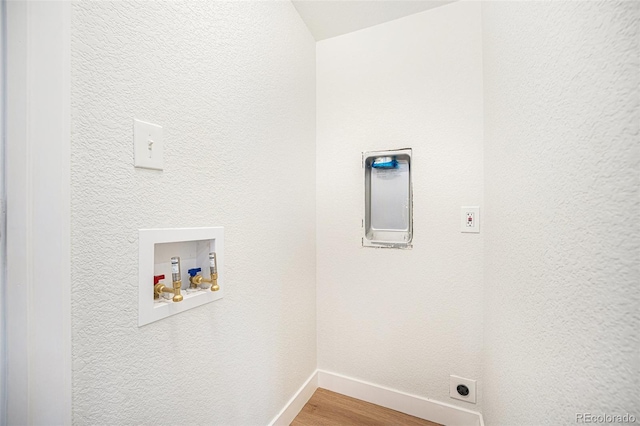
(326, 408)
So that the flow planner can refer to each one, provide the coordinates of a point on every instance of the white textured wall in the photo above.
(233, 85)
(405, 319)
(562, 251)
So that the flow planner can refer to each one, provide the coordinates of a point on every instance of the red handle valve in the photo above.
(157, 279)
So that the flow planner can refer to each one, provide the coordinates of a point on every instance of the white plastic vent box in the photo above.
(388, 213)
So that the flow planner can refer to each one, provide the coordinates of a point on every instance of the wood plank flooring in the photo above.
(326, 408)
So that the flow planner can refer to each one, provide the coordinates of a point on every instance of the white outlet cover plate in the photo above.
(454, 381)
(470, 219)
(148, 145)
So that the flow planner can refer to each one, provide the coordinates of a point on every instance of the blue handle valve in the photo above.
(193, 272)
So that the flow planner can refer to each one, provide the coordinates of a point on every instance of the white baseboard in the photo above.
(295, 404)
(423, 408)
(417, 406)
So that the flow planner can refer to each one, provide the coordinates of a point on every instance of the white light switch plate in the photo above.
(470, 219)
(147, 145)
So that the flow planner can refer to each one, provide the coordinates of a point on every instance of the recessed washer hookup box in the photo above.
(388, 215)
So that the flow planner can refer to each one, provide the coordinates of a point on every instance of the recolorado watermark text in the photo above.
(605, 418)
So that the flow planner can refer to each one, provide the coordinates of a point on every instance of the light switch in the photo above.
(470, 219)
(147, 145)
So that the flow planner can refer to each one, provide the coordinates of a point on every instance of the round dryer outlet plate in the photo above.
(462, 389)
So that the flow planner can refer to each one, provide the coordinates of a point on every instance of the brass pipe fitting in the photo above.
(213, 271)
(195, 281)
(156, 280)
(195, 278)
(160, 288)
(177, 286)
(214, 282)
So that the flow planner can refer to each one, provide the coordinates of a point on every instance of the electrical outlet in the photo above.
(462, 389)
(470, 219)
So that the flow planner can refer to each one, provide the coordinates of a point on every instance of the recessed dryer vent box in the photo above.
(388, 215)
(192, 246)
